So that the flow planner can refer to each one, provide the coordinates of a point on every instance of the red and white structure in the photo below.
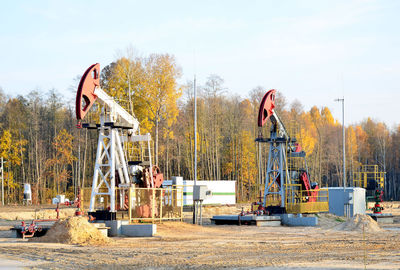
(116, 127)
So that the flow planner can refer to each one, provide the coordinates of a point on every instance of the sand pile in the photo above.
(328, 220)
(74, 230)
(357, 223)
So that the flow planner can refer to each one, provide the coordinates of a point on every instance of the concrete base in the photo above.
(231, 219)
(104, 231)
(267, 221)
(298, 220)
(115, 226)
(261, 221)
(122, 227)
(139, 230)
(14, 234)
(383, 218)
(102, 228)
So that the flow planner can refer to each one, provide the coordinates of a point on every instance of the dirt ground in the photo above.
(186, 246)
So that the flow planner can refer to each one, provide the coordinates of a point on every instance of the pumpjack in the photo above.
(288, 188)
(287, 185)
(113, 172)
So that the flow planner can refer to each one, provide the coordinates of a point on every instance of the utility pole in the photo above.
(2, 181)
(195, 148)
(344, 143)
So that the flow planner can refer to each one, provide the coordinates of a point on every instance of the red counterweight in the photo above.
(266, 107)
(85, 96)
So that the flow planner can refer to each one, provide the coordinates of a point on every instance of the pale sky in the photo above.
(312, 51)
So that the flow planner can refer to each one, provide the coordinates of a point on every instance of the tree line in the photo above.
(42, 146)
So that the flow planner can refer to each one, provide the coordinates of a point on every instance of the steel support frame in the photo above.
(109, 158)
(276, 168)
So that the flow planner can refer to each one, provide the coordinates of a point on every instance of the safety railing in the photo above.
(141, 204)
(369, 176)
(306, 201)
(155, 204)
(102, 202)
(273, 200)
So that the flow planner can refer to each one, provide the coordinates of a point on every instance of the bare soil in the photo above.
(185, 246)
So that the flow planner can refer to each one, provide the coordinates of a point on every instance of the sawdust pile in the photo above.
(74, 230)
(357, 223)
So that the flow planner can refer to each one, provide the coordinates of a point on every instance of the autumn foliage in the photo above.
(42, 146)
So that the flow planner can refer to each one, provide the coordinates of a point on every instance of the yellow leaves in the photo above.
(351, 144)
(145, 126)
(315, 114)
(11, 147)
(9, 181)
(124, 80)
(57, 166)
(190, 138)
(322, 117)
(5, 144)
(63, 146)
(168, 134)
(327, 116)
(160, 88)
(381, 129)
(351, 141)
(227, 168)
(246, 110)
(361, 134)
(162, 149)
(248, 158)
(307, 136)
(149, 84)
(307, 140)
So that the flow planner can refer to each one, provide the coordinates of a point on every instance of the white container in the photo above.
(27, 192)
(348, 202)
(55, 201)
(177, 180)
(199, 193)
(61, 198)
(223, 191)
